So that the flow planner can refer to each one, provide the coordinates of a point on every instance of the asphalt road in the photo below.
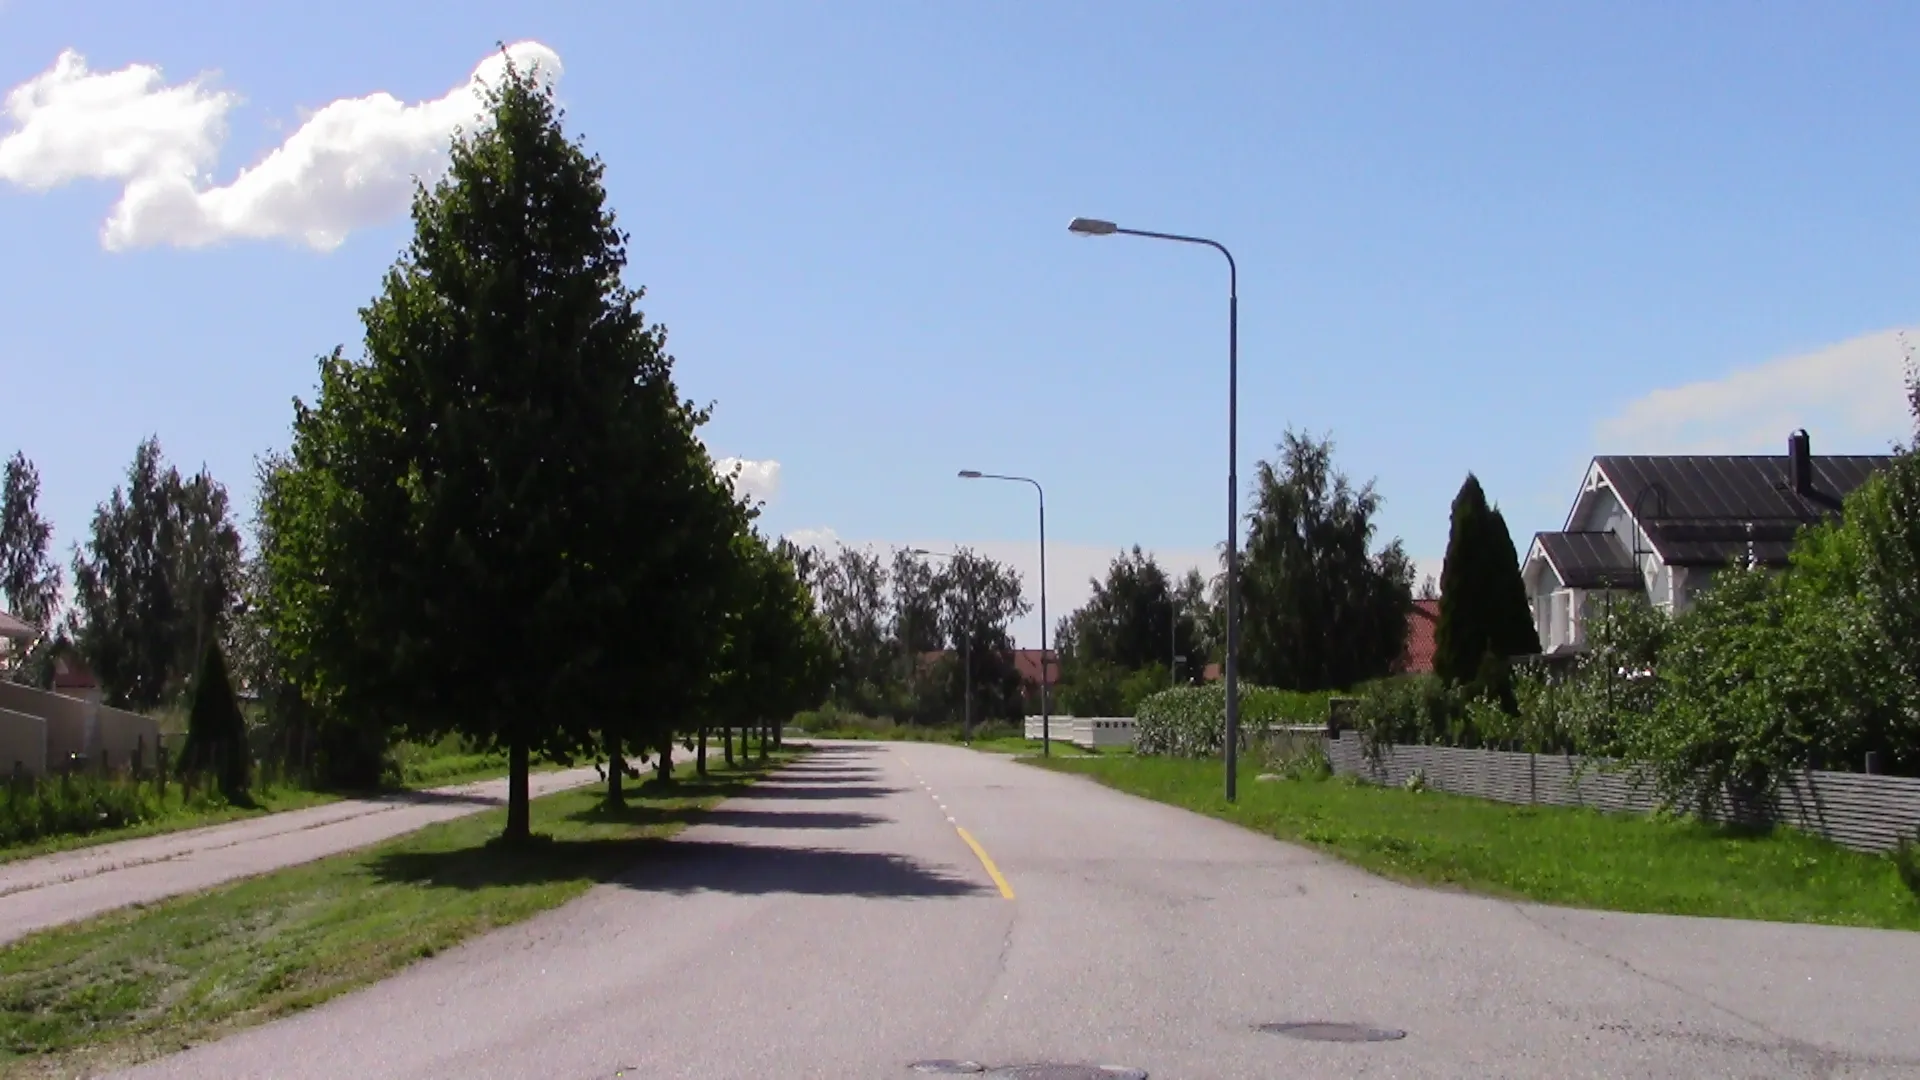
(54, 889)
(835, 923)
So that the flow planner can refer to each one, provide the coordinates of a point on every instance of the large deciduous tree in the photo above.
(1137, 617)
(156, 580)
(125, 588)
(979, 599)
(1483, 601)
(1322, 609)
(500, 521)
(851, 588)
(29, 578)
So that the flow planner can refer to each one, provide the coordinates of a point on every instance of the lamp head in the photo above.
(1084, 226)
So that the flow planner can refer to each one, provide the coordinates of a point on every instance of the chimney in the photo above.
(1800, 463)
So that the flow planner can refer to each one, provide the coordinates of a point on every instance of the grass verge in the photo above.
(138, 983)
(447, 764)
(1550, 854)
(172, 812)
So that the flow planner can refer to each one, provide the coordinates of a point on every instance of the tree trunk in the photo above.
(518, 812)
(726, 740)
(663, 768)
(616, 771)
(700, 755)
(763, 740)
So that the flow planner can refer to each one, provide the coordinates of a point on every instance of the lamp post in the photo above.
(1096, 227)
(966, 655)
(1046, 729)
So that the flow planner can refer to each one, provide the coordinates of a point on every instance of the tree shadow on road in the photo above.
(655, 864)
(730, 817)
(690, 866)
(817, 791)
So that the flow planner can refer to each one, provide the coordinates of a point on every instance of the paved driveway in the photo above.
(836, 922)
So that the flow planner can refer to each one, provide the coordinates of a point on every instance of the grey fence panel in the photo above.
(1867, 813)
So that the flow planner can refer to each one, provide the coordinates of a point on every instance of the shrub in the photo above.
(1191, 721)
(76, 805)
(1411, 709)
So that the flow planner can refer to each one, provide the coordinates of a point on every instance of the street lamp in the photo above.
(1096, 227)
(1046, 727)
(966, 653)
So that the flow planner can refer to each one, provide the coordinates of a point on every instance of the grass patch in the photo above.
(98, 811)
(138, 983)
(1550, 854)
(450, 762)
(51, 815)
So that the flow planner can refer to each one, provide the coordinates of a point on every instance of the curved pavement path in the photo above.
(72, 885)
(835, 922)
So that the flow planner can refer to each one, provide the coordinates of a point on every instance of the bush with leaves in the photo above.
(1407, 709)
(1191, 721)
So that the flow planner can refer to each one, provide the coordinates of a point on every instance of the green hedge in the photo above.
(1191, 721)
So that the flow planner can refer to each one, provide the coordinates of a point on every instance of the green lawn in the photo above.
(446, 764)
(174, 813)
(1555, 855)
(141, 982)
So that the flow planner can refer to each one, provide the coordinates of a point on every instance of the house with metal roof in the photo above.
(1661, 526)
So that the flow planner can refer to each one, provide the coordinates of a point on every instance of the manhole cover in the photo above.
(1068, 1073)
(948, 1068)
(1331, 1032)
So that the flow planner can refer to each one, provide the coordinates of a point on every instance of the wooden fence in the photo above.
(1867, 813)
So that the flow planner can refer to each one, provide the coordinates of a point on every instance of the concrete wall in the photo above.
(78, 727)
(23, 738)
(121, 736)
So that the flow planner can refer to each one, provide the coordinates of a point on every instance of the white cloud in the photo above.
(1849, 397)
(351, 164)
(758, 479)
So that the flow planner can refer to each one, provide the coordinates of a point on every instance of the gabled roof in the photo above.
(1027, 663)
(1702, 510)
(16, 629)
(1589, 560)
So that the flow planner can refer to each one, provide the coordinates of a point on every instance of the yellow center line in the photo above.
(993, 871)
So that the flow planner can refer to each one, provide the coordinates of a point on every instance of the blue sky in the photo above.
(1491, 236)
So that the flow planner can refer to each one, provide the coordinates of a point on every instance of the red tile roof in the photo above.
(1027, 663)
(1421, 624)
(72, 673)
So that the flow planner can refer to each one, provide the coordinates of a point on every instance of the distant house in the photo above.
(1422, 623)
(1659, 527)
(73, 678)
(1027, 663)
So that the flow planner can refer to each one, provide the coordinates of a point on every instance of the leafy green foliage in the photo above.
(1483, 602)
(500, 521)
(1321, 609)
(155, 580)
(1191, 721)
(36, 810)
(216, 730)
(1138, 617)
(29, 579)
